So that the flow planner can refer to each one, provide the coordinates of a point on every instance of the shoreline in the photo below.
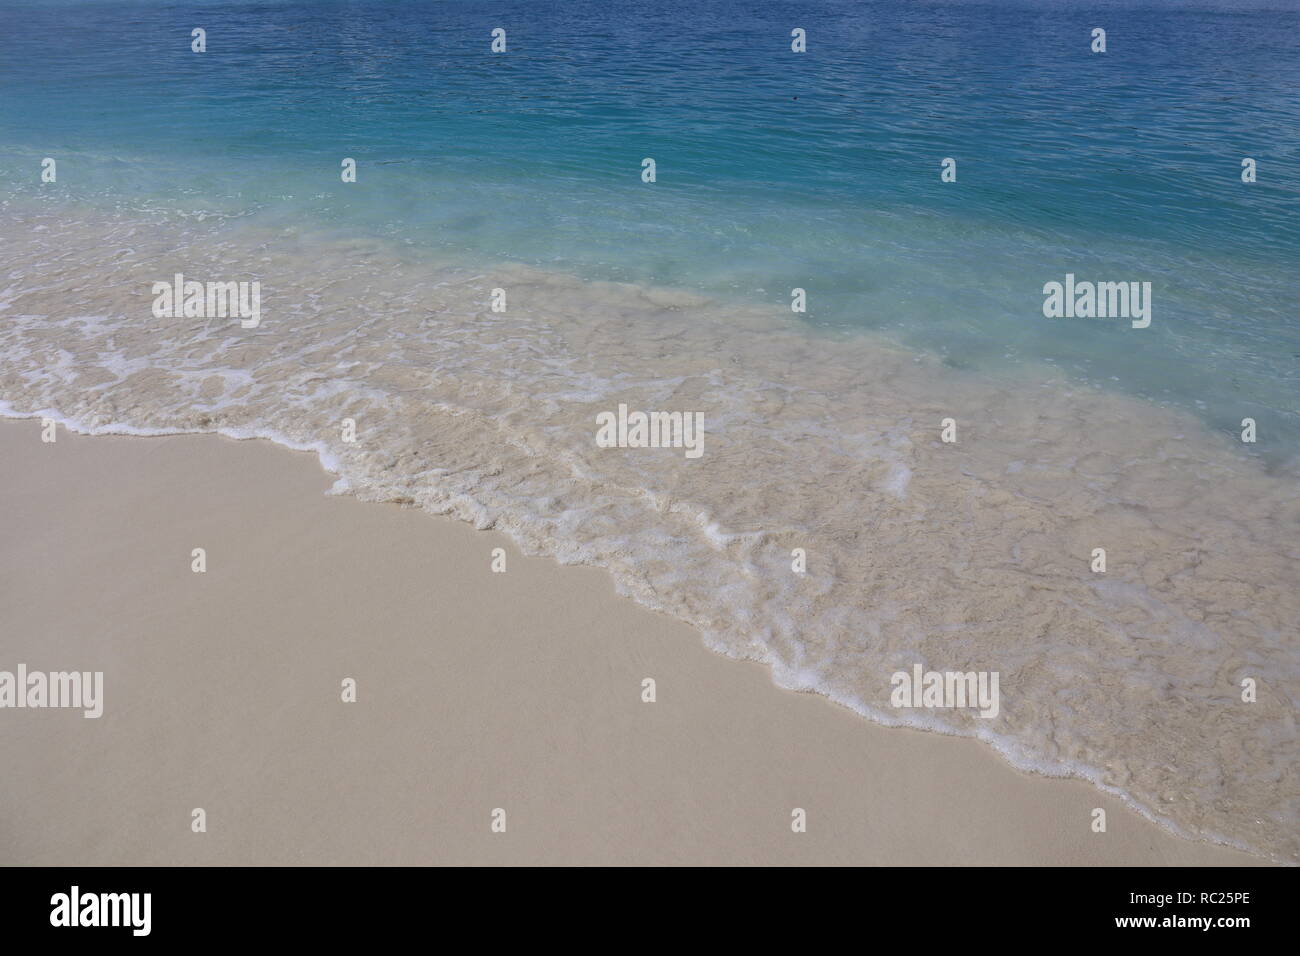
(519, 690)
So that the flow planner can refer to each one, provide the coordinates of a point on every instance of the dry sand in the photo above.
(476, 690)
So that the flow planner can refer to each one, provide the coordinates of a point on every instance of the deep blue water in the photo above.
(775, 169)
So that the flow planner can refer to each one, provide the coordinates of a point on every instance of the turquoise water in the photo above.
(775, 170)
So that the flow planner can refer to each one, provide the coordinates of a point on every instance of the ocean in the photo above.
(523, 172)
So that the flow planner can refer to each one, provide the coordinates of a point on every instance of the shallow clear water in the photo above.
(775, 170)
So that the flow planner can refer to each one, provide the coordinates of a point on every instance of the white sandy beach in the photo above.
(476, 690)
